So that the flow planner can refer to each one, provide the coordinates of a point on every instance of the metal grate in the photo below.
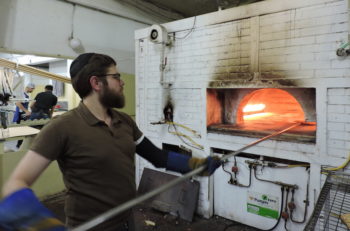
(334, 200)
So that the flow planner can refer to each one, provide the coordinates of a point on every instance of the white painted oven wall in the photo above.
(230, 201)
(293, 39)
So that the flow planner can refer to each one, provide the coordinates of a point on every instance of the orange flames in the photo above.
(213, 108)
(254, 111)
(254, 107)
(261, 109)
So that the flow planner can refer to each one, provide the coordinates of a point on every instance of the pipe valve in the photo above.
(291, 205)
(234, 169)
(342, 51)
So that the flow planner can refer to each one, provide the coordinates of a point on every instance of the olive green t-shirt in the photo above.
(97, 161)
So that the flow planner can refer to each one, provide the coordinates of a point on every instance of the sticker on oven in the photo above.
(263, 204)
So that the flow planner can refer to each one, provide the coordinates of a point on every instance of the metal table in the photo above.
(333, 201)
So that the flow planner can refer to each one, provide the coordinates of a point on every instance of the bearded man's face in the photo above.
(111, 98)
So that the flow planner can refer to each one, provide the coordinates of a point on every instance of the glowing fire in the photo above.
(254, 107)
(269, 106)
(213, 108)
(257, 115)
(266, 109)
(255, 111)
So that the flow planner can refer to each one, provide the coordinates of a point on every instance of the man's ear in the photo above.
(95, 83)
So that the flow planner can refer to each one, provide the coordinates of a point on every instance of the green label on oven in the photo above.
(263, 204)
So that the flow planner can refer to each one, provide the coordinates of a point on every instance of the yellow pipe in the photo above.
(185, 127)
(187, 137)
(341, 166)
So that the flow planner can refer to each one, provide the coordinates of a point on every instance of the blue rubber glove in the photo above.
(22, 210)
(183, 163)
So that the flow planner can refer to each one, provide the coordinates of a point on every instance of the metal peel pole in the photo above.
(260, 140)
(129, 204)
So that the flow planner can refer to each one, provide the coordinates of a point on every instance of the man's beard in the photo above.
(111, 99)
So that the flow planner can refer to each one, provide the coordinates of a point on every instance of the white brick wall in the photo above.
(338, 118)
(298, 43)
(305, 39)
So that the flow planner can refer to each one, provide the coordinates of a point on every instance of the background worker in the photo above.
(95, 146)
(22, 108)
(44, 104)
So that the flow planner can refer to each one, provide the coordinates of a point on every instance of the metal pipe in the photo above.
(281, 210)
(306, 201)
(129, 204)
(293, 186)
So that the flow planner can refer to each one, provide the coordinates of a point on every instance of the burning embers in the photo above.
(256, 112)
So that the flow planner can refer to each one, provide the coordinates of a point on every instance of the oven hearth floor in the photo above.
(303, 133)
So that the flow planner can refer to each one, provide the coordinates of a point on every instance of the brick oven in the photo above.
(237, 75)
(254, 112)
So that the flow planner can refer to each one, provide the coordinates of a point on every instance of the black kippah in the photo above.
(79, 63)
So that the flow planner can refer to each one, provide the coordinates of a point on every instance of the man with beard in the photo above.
(95, 147)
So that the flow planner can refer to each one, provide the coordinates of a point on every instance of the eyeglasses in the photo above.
(115, 76)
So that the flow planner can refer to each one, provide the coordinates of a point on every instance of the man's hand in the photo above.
(182, 163)
(212, 163)
(22, 210)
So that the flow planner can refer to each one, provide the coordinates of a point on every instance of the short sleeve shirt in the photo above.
(97, 161)
(44, 101)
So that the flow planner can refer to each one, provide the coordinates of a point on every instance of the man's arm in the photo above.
(27, 171)
(174, 161)
(32, 105)
(20, 106)
(20, 209)
(53, 106)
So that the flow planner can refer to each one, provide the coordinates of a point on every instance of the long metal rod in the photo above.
(129, 204)
(260, 140)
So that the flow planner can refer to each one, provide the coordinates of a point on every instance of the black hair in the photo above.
(85, 66)
(49, 87)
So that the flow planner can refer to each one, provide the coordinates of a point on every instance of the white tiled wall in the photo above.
(297, 42)
(338, 121)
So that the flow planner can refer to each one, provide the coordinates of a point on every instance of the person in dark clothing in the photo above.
(44, 104)
(94, 146)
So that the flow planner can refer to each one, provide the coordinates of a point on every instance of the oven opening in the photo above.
(257, 112)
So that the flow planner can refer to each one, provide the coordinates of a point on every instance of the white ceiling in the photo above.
(187, 8)
(136, 11)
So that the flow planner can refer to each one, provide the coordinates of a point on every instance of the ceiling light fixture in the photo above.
(75, 43)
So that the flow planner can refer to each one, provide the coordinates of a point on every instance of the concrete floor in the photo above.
(168, 222)
(162, 221)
